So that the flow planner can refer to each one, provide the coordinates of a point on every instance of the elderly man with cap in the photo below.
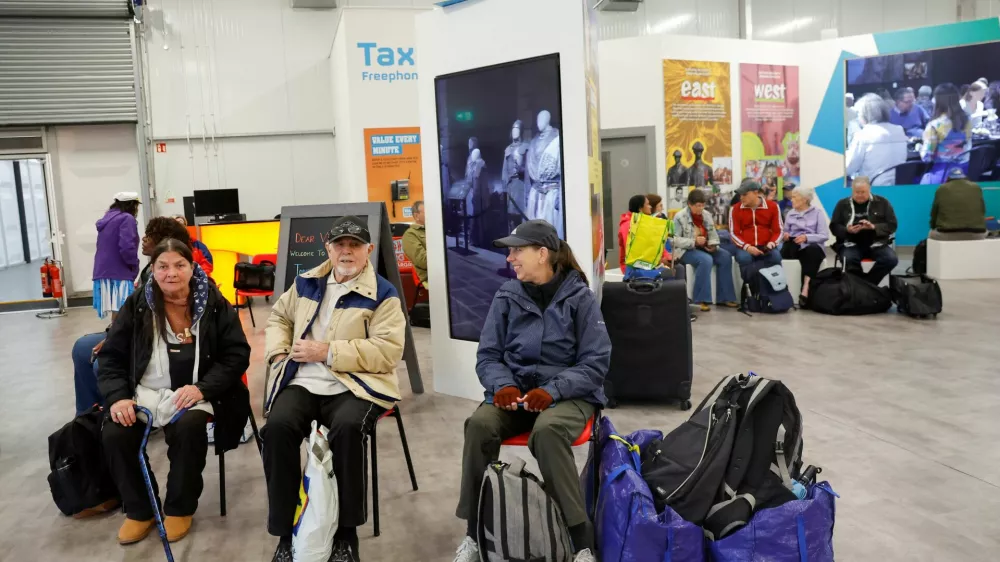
(755, 228)
(333, 341)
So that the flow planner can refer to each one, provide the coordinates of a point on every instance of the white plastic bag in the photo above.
(319, 503)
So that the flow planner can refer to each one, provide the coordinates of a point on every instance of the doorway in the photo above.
(629, 169)
(25, 234)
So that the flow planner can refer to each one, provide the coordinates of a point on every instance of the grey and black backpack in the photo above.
(518, 519)
(739, 452)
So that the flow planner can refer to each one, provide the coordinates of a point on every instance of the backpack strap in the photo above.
(779, 455)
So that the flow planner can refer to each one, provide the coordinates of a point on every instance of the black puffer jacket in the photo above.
(224, 358)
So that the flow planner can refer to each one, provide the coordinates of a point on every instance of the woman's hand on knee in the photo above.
(123, 412)
(187, 396)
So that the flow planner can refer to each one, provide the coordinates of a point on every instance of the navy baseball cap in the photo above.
(531, 233)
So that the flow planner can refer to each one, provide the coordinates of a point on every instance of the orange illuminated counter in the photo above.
(229, 241)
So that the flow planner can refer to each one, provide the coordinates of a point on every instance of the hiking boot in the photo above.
(704, 307)
(584, 555)
(731, 304)
(100, 509)
(468, 551)
(133, 531)
(177, 527)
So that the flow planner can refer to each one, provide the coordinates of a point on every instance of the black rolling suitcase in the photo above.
(650, 328)
(916, 295)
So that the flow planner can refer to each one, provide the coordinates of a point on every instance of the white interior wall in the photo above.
(456, 39)
(253, 74)
(90, 164)
(363, 104)
(789, 20)
(631, 82)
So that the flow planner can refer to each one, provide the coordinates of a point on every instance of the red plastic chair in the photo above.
(249, 294)
(588, 435)
(392, 413)
(422, 295)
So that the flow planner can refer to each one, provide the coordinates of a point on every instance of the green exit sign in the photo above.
(463, 116)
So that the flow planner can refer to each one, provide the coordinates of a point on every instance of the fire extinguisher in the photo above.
(46, 280)
(55, 273)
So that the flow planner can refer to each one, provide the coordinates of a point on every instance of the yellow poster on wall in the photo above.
(394, 169)
(698, 129)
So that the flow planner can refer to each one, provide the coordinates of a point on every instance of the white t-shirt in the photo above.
(316, 377)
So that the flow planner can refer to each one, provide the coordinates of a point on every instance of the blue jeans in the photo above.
(885, 261)
(744, 258)
(85, 373)
(702, 262)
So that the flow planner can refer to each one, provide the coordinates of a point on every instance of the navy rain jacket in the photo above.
(564, 350)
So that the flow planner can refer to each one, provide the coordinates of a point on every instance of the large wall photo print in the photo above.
(501, 164)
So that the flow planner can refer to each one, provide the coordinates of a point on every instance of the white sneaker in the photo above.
(468, 551)
(584, 555)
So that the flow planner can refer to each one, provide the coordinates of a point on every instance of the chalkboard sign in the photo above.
(306, 248)
(301, 248)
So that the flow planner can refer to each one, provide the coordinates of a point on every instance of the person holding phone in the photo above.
(865, 226)
(696, 243)
(755, 227)
(543, 355)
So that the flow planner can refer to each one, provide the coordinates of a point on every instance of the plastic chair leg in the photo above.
(250, 308)
(406, 448)
(222, 484)
(375, 482)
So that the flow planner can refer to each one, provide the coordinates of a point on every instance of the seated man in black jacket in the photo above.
(865, 226)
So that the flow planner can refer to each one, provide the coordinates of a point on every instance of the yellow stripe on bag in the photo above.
(303, 503)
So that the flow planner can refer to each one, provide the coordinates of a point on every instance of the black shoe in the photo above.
(342, 552)
(283, 553)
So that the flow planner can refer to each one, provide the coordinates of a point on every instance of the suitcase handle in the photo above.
(643, 285)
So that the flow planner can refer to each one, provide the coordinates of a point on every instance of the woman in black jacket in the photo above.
(177, 348)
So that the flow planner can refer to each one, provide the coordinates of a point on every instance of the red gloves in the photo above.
(506, 397)
(537, 400)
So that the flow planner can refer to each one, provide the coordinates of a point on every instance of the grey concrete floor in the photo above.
(900, 413)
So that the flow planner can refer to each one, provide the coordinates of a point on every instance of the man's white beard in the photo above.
(347, 270)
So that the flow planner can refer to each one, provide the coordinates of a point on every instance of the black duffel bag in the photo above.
(916, 295)
(254, 277)
(834, 291)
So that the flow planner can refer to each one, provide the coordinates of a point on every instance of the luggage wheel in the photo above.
(685, 405)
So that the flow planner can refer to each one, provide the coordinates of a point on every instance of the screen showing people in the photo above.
(501, 164)
(912, 117)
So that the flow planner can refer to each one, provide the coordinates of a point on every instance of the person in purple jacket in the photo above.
(116, 263)
(805, 236)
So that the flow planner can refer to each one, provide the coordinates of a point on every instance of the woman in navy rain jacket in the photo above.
(543, 355)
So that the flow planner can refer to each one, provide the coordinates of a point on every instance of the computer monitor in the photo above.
(216, 202)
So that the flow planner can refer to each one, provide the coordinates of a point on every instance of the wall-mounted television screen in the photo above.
(501, 155)
(912, 117)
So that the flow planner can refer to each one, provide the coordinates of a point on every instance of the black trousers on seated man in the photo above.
(884, 257)
(552, 434)
(187, 446)
(349, 419)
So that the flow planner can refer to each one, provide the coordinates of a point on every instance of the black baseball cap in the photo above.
(531, 233)
(747, 186)
(349, 226)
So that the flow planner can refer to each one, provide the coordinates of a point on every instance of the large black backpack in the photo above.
(80, 478)
(841, 293)
(739, 452)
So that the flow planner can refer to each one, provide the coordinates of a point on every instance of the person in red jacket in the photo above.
(637, 204)
(755, 227)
